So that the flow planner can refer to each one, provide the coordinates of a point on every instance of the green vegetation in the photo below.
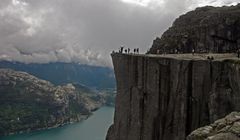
(28, 103)
(109, 96)
(21, 116)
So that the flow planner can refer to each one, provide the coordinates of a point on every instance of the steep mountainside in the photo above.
(207, 29)
(166, 98)
(63, 73)
(28, 103)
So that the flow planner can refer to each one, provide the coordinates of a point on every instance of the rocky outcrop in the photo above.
(166, 98)
(206, 29)
(227, 128)
(28, 103)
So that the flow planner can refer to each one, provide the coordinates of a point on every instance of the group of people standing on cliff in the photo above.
(176, 51)
(127, 50)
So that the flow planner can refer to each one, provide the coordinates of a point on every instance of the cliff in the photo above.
(166, 97)
(28, 103)
(206, 29)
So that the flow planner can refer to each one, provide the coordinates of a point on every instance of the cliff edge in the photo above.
(166, 97)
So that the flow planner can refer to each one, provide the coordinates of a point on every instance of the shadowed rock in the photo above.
(206, 29)
(227, 128)
(166, 98)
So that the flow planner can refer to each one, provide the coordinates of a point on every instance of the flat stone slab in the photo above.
(189, 56)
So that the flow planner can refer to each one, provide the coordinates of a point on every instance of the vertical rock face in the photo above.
(206, 29)
(162, 98)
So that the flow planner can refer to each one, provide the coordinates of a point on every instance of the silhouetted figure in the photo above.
(193, 51)
(128, 50)
(134, 51)
(125, 50)
(121, 49)
(176, 51)
(137, 50)
(210, 58)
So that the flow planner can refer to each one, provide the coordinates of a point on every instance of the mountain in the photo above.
(206, 29)
(28, 103)
(62, 73)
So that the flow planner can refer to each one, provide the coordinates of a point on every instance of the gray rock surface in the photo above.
(166, 98)
(227, 128)
(206, 29)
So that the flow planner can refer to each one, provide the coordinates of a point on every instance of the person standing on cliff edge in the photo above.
(121, 49)
(193, 51)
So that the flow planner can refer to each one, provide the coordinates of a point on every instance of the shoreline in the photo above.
(83, 117)
(73, 121)
(85, 130)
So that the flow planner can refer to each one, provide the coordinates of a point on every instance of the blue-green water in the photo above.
(94, 128)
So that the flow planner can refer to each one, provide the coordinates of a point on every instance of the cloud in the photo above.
(201, 3)
(85, 31)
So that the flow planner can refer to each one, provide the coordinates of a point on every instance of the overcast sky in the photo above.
(85, 31)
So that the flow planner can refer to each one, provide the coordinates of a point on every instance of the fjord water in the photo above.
(94, 128)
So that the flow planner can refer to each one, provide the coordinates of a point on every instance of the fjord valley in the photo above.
(29, 103)
(88, 70)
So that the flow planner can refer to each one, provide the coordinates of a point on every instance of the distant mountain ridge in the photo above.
(61, 73)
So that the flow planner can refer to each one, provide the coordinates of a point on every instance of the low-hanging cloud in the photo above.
(84, 31)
